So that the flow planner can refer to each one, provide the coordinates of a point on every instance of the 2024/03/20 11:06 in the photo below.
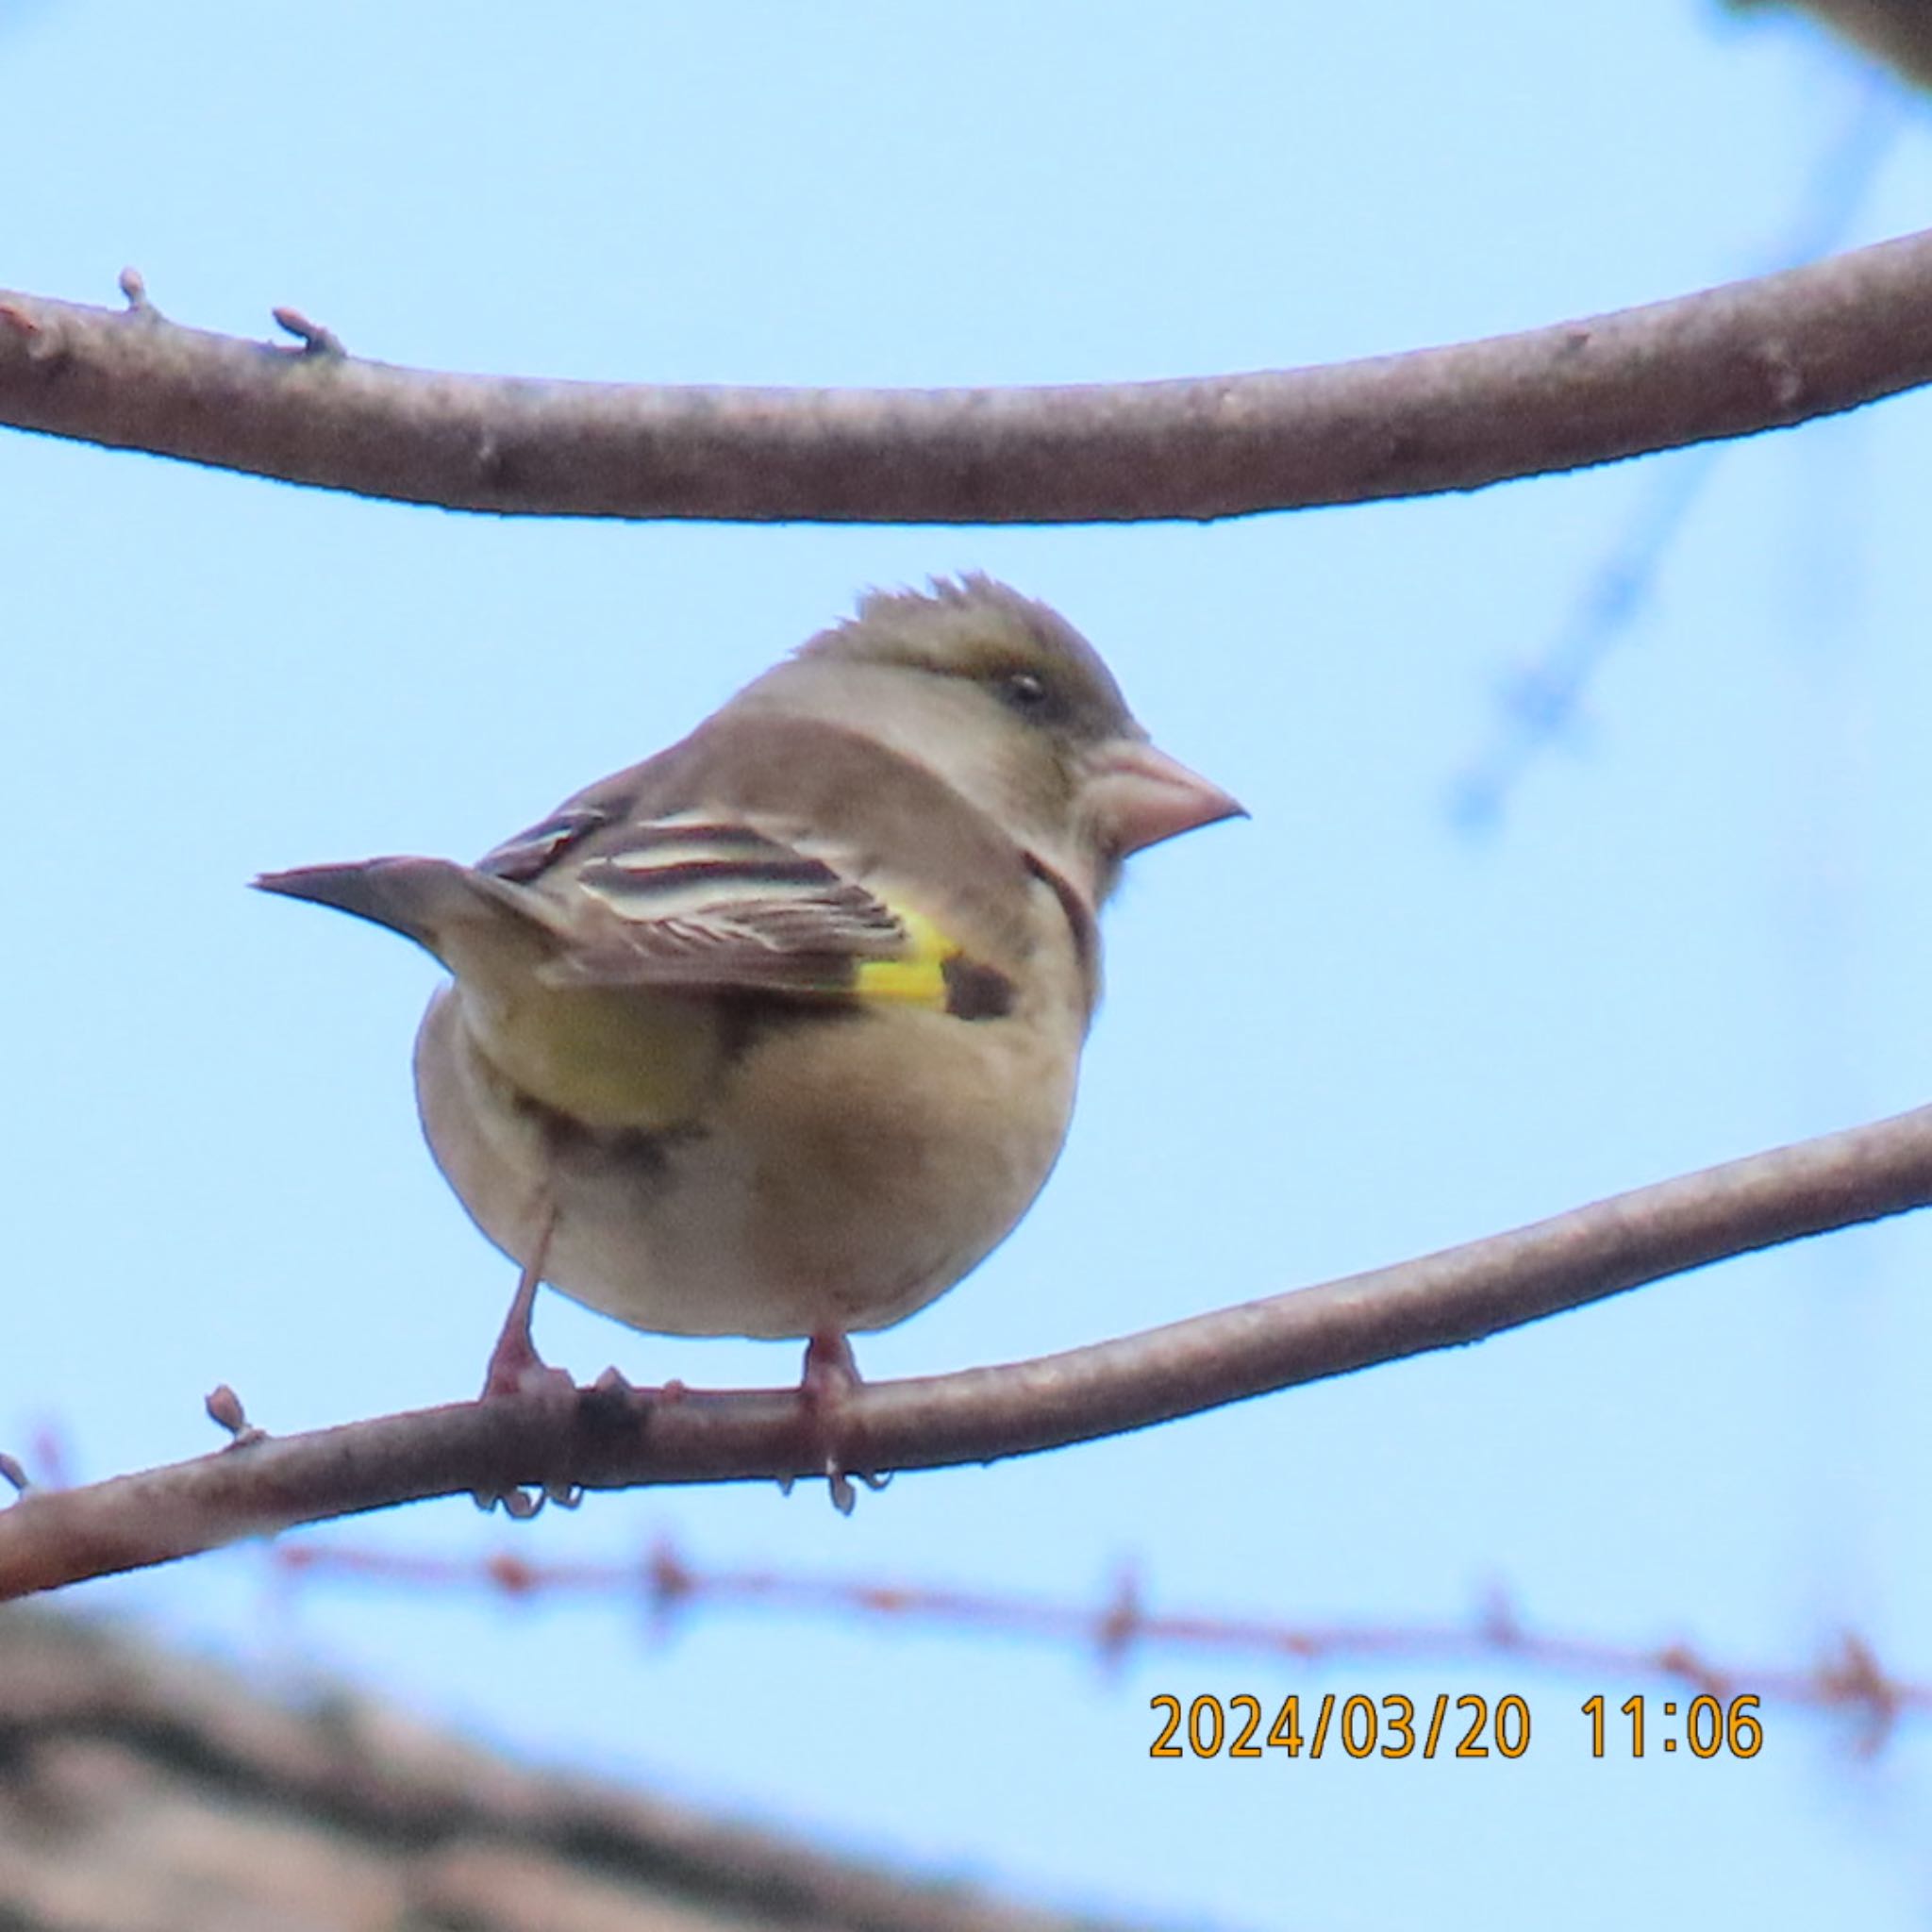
(1387, 1726)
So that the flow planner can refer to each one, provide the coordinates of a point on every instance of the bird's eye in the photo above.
(1023, 691)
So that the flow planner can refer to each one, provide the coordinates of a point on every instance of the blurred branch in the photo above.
(1897, 32)
(667, 1585)
(1540, 702)
(1730, 361)
(611, 1437)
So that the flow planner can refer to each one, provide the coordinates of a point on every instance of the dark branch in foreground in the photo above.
(611, 1439)
(1731, 361)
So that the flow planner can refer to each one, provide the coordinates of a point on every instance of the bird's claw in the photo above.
(825, 1392)
(519, 1503)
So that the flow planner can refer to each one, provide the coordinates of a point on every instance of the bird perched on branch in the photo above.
(776, 1034)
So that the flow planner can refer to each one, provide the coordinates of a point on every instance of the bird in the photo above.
(776, 1033)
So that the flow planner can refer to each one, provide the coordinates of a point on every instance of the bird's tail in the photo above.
(440, 905)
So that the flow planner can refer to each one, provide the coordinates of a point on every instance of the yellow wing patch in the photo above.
(918, 976)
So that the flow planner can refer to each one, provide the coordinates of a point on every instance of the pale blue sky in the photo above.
(1334, 1037)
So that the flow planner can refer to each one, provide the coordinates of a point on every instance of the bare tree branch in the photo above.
(607, 1439)
(1752, 355)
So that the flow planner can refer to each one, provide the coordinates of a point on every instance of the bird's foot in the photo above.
(824, 1393)
(520, 1370)
(515, 1368)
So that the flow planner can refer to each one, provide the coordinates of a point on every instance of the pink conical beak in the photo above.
(1140, 796)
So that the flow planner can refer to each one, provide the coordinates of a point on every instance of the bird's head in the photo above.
(1003, 698)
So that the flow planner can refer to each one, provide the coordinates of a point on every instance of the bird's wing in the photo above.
(701, 901)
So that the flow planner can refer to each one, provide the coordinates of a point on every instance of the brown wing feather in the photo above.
(687, 870)
(750, 912)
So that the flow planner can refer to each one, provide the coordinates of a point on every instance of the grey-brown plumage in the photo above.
(776, 1033)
